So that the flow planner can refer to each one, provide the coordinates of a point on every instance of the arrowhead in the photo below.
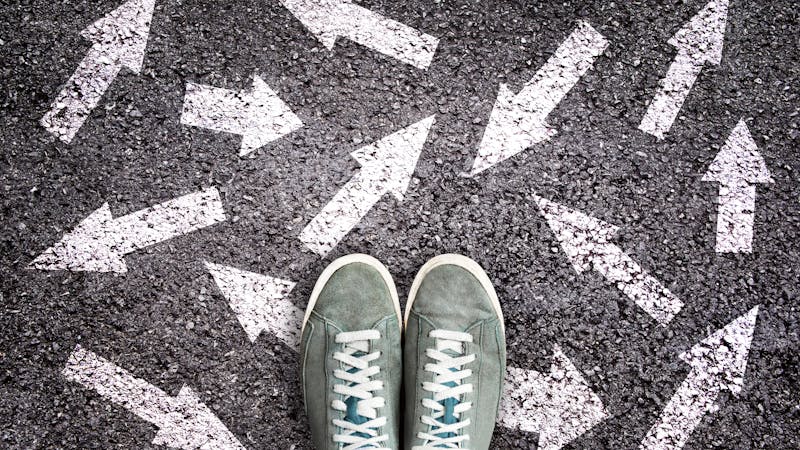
(391, 161)
(259, 304)
(321, 17)
(92, 246)
(704, 35)
(723, 355)
(123, 32)
(268, 118)
(739, 161)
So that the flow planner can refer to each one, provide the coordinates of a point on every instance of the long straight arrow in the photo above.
(119, 41)
(100, 242)
(259, 116)
(587, 243)
(183, 421)
(717, 363)
(519, 121)
(386, 166)
(699, 43)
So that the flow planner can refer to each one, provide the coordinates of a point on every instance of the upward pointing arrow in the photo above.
(736, 168)
(699, 43)
(119, 41)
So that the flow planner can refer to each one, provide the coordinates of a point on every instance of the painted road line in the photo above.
(520, 121)
(737, 167)
(386, 166)
(183, 421)
(119, 40)
(717, 363)
(258, 115)
(99, 243)
(330, 19)
(559, 406)
(587, 243)
(699, 43)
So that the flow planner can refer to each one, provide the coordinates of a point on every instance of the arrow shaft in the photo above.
(215, 108)
(671, 95)
(735, 217)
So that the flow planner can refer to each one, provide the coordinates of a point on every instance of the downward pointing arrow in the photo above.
(386, 166)
(587, 243)
(717, 363)
(119, 41)
(183, 421)
(699, 42)
(737, 167)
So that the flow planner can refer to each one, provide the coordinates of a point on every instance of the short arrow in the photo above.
(119, 41)
(100, 242)
(259, 303)
(587, 243)
(736, 168)
(717, 363)
(559, 406)
(183, 421)
(519, 121)
(386, 166)
(699, 43)
(329, 19)
(259, 115)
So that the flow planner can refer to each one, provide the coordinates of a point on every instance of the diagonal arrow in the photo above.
(100, 242)
(386, 166)
(559, 406)
(519, 121)
(736, 168)
(259, 115)
(699, 43)
(587, 243)
(119, 41)
(259, 303)
(717, 363)
(329, 19)
(183, 421)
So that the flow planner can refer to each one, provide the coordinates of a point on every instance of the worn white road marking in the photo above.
(736, 168)
(717, 363)
(100, 242)
(183, 421)
(587, 243)
(119, 40)
(699, 43)
(519, 121)
(559, 406)
(258, 115)
(329, 19)
(386, 166)
(259, 303)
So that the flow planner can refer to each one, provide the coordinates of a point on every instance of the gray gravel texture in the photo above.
(165, 321)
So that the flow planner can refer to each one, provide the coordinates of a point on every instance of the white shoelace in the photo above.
(356, 376)
(448, 384)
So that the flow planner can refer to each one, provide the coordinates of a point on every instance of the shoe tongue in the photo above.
(448, 417)
(351, 414)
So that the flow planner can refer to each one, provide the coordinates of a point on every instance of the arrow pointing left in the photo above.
(119, 40)
(183, 421)
(100, 242)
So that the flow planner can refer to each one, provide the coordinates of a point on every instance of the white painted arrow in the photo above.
(100, 242)
(329, 19)
(259, 304)
(183, 421)
(587, 243)
(119, 41)
(699, 43)
(386, 166)
(717, 363)
(519, 121)
(260, 116)
(736, 168)
(559, 406)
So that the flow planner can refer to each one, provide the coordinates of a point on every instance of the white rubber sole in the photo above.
(465, 263)
(338, 264)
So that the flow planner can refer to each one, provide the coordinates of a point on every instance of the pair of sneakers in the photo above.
(354, 361)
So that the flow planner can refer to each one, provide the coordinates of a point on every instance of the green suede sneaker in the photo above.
(351, 357)
(454, 358)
